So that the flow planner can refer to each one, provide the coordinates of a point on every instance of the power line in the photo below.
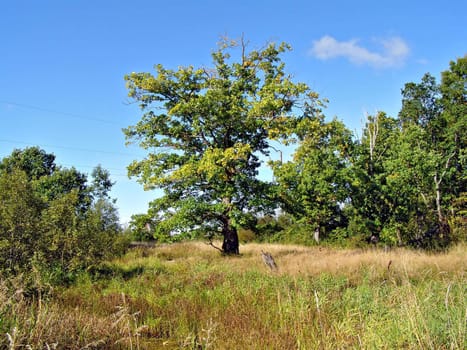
(119, 170)
(80, 166)
(69, 148)
(71, 115)
(94, 166)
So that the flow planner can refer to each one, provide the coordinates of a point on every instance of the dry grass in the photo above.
(301, 261)
(305, 261)
(189, 296)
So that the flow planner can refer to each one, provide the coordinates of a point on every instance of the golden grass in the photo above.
(296, 260)
(187, 295)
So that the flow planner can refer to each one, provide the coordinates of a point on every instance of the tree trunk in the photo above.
(230, 244)
(443, 230)
(439, 211)
(438, 199)
(316, 235)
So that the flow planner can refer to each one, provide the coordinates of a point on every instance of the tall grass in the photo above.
(187, 295)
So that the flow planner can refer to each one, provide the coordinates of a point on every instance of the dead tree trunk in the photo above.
(437, 181)
(269, 260)
(316, 235)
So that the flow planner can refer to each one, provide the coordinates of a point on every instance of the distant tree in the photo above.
(453, 89)
(409, 172)
(441, 111)
(142, 228)
(205, 130)
(420, 103)
(404, 179)
(103, 206)
(34, 161)
(313, 187)
(368, 177)
(101, 182)
(63, 181)
(48, 180)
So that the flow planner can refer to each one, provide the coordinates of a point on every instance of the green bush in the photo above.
(49, 238)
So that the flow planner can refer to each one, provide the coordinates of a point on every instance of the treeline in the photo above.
(402, 182)
(54, 221)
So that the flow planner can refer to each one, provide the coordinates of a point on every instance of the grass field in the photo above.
(187, 295)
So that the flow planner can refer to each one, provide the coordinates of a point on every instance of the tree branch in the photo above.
(212, 245)
(445, 169)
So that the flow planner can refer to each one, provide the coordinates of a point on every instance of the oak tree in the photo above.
(205, 130)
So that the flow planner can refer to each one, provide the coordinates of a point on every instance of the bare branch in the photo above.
(212, 245)
(447, 165)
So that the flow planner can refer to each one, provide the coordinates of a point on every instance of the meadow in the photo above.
(189, 296)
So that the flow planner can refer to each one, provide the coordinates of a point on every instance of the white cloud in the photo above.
(394, 51)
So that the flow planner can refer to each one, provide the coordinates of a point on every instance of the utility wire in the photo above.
(69, 148)
(71, 115)
(120, 174)
(93, 166)
(79, 149)
(75, 116)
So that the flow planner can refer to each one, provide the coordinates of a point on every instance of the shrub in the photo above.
(47, 237)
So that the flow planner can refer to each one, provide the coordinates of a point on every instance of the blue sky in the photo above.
(62, 63)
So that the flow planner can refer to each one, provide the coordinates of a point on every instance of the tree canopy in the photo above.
(402, 182)
(205, 130)
(313, 186)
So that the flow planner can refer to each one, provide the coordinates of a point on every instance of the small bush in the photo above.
(53, 225)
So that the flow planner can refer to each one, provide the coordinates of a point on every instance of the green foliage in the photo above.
(269, 225)
(205, 129)
(52, 224)
(297, 232)
(313, 187)
(64, 181)
(101, 183)
(20, 229)
(366, 190)
(401, 183)
(390, 235)
(458, 221)
(246, 235)
(441, 112)
(141, 227)
(453, 89)
(34, 161)
(409, 172)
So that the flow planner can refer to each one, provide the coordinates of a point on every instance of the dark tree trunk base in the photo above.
(230, 244)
